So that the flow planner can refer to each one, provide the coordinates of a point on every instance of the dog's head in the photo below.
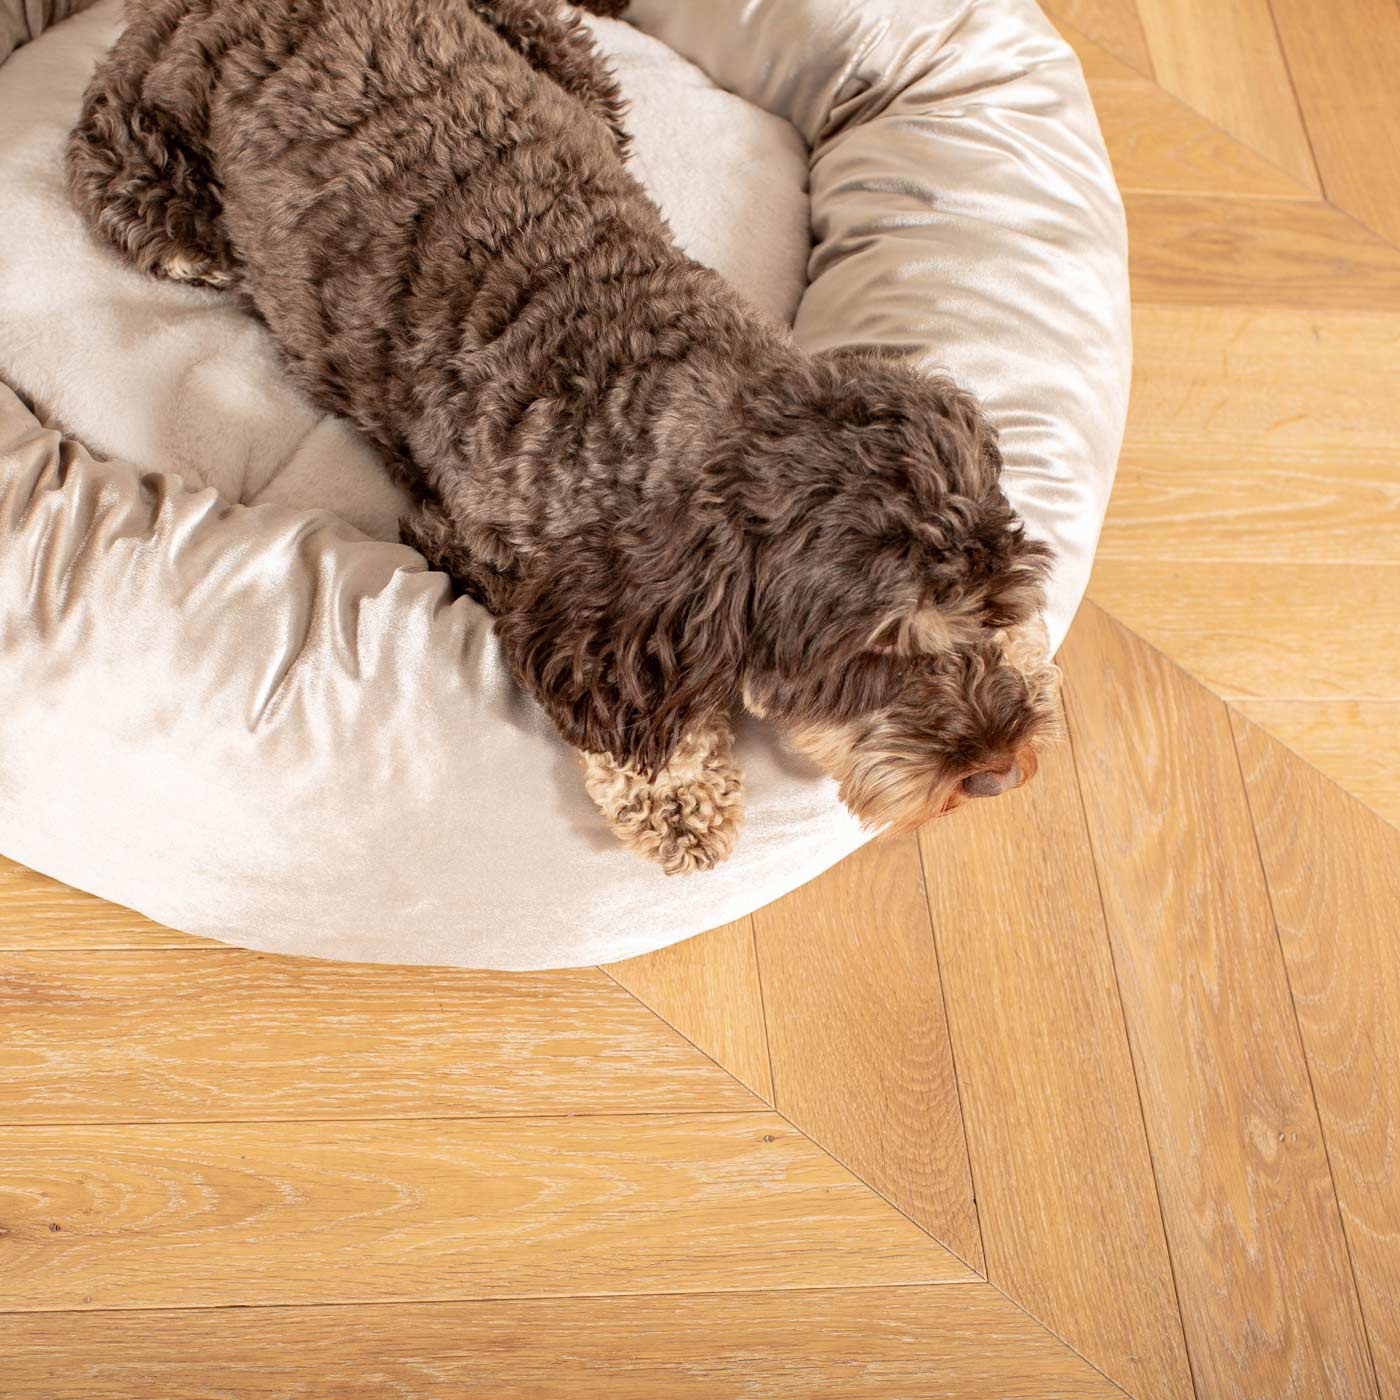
(894, 616)
(966, 722)
(844, 557)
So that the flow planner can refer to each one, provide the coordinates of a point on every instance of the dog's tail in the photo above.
(137, 168)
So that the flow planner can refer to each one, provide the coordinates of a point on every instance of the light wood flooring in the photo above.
(1254, 533)
(1092, 1090)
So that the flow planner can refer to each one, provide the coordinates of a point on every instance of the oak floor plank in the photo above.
(132, 1036)
(1260, 1261)
(1221, 251)
(1065, 1192)
(179, 1215)
(1112, 24)
(1225, 61)
(1355, 743)
(1235, 497)
(1283, 376)
(1266, 436)
(1158, 143)
(1265, 630)
(1334, 878)
(859, 1042)
(1344, 59)
(37, 912)
(1312, 391)
(708, 989)
(909, 1343)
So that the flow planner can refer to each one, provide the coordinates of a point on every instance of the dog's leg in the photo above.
(560, 46)
(137, 171)
(435, 535)
(687, 816)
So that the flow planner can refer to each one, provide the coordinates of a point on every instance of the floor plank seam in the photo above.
(1230, 701)
(953, 1059)
(457, 1300)
(1053, 12)
(748, 1089)
(1125, 554)
(558, 1115)
(1132, 1060)
(1297, 100)
(1050, 1331)
(176, 947)
(826, 1151)
(1307, 195)
(763, 1005)
(1303, 197)
(1307, 1062)
(1228, 697)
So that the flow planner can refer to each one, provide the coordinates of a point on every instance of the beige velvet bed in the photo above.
(230, 700)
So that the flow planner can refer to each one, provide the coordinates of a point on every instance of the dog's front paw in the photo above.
(187, 267)
(687, 817)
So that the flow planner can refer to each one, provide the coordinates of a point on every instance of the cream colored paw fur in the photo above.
(685, 818)
(181, 267)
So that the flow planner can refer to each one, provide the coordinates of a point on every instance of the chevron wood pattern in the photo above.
(1090, 1091)
(1065, 1187)
(1132, 1028)
(1225, 60)
(1343, 61)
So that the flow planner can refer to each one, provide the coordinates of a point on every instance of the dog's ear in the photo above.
(627, 644)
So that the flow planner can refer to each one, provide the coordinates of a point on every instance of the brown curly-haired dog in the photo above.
(670, 509)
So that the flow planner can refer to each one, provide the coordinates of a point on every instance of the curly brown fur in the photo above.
(668, 506)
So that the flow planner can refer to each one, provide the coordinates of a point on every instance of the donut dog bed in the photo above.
(230, 699)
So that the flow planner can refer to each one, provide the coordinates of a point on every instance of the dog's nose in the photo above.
(989, 783)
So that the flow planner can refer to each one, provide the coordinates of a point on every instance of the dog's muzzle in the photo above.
(991, 783)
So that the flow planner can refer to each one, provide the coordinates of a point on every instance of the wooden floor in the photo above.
(1090, 1090)
(1254, 534)
(1093, 1089)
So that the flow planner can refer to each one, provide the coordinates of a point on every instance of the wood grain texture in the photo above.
(908, 1343)
(1257, 489)
(1112, 24)
(132, 1036)
(1225, 61)
(1355, 743)
(1264, 1281)
(1069, 1210)
(1097, 62)
(1284, 631)
(1229, 497)
(177, 1215)
(1221, 251)
(1334, 879)
(856, 1028)
(36, 912)
(1284, 377)
(1156, 142)
(1344, 59)
(708, 989)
